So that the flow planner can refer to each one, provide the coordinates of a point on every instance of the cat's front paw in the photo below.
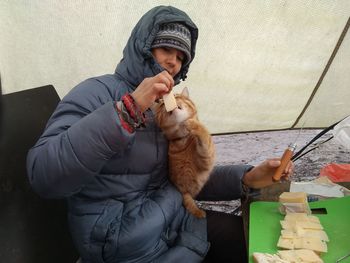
(191, 124)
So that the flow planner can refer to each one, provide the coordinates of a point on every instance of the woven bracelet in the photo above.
(134, 111)
(125, 119)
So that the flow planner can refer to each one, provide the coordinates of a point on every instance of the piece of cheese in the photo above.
(286, 243)
(308, 225)
(314, 233)
(169, 101)
(287, 255)
(267, 258)
(296, 217)
(301, 217)
(293, 197)
(296, 225)
(294, 202)
(302, 236)
(304, 220)
(311, 243)
(308, 255)
(314, 219)
(298, 242)
(301, 232)
(288, 233)
(288, 225)
(299, 255)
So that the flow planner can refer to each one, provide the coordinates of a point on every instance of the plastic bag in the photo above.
(341, 132)
(336, 172)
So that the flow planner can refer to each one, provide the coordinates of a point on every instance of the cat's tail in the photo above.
(192, 207)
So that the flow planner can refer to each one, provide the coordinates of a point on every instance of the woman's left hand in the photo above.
(261, 176)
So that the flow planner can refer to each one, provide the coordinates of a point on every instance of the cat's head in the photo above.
(185, 110)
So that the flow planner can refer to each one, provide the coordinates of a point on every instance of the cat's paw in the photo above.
(199, 213)
(191, 124)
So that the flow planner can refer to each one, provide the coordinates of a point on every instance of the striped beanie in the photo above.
(174, 35)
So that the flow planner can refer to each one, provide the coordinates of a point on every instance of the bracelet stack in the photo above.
(130, 114)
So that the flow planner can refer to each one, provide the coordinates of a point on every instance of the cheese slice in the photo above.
(288, 225)
(299, 255)
(288, 233)
(307, 255)
(293, 197)
(296, 217)
(315, 233)
(301, 232)
(314, 219)
(287, 255)
(294, 202)
(301, 217)
(169, 101)
(302, 236)
(298, 242)
(311, 243)
(308, 225)
(267, 258)
(286, 243)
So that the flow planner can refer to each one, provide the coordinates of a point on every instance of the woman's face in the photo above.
(169, 58)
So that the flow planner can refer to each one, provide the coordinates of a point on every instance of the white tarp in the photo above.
(257, 63)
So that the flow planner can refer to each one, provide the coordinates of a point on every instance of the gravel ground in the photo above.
(253, 148)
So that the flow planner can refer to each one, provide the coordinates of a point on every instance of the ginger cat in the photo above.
(191, 149)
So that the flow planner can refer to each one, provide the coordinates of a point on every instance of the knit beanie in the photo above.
(174, 35)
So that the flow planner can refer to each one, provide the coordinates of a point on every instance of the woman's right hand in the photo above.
(262, 175)
(151, 89)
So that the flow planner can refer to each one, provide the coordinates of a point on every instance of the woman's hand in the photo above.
(261, 175)
(151, 89)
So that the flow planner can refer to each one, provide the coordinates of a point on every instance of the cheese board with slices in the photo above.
(277, 234)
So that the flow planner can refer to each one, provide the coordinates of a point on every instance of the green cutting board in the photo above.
(265, 228)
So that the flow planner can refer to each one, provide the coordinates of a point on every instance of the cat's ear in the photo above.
(185, 92)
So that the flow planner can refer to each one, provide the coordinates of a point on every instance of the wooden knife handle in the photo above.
(286, 157)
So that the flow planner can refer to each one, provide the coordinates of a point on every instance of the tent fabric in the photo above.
(260, 65)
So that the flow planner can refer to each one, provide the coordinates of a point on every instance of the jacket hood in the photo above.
(138, 62)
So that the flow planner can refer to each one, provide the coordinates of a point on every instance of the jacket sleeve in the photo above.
(225, 183)
(83, 133)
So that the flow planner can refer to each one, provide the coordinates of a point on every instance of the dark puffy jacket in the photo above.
(121, 206)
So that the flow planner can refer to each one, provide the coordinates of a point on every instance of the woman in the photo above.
(103, 152)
